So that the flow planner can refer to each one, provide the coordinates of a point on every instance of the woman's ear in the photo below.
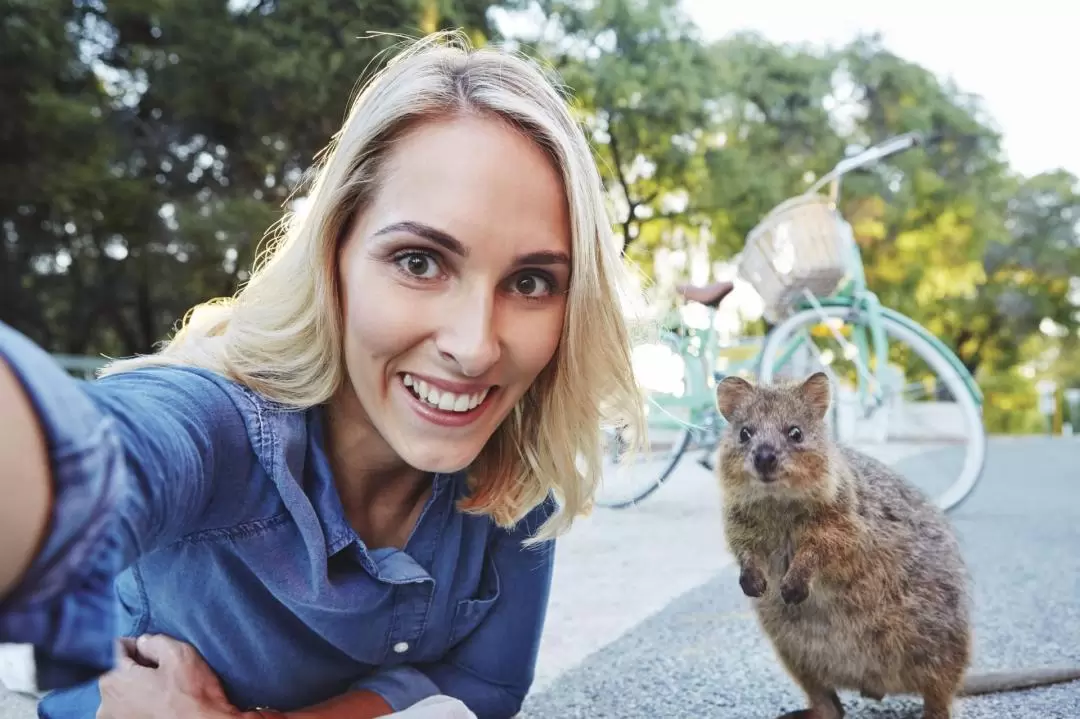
(731, 394)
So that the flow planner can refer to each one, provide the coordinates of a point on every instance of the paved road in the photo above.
(703, 655)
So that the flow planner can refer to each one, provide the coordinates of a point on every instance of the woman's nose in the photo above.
(468, 333)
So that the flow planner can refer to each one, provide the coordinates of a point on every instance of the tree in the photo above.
(151, 143)
(1030, 272)
(925, 219)
(639, 72)
(772, 133)
(54, 146)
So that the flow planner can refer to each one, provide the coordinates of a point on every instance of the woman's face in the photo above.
(453, 284)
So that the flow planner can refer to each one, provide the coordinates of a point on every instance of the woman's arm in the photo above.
(24, 481)
(354, 705)
(102, 472)
(368, 705)
(158, 676)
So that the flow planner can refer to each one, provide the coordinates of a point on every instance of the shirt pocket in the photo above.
(470, 611)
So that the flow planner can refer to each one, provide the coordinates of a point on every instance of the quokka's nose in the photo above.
(765, 459)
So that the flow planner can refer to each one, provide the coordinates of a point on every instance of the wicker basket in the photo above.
(797, 247)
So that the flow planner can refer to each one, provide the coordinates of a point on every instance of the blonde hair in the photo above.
(281, 334)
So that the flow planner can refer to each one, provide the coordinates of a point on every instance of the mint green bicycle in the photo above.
(899, 392)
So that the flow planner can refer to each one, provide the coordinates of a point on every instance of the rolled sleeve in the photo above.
(400, 686)
(59, 606)
(132, 461)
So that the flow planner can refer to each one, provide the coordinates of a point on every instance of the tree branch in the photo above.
(632, 204)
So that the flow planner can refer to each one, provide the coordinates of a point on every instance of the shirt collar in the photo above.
(322, 492)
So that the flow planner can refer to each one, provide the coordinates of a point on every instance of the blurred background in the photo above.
(146, 147)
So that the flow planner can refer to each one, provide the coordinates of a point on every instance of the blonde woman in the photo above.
(336, 495)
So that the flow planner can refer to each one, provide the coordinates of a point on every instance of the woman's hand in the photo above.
(157, 676)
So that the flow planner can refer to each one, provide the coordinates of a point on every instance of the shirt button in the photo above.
(401, 647)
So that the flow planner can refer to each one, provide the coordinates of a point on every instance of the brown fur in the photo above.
(857, 578)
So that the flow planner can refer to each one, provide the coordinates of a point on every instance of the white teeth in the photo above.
(445, 401)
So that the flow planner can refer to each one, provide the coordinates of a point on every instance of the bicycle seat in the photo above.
(709, 295)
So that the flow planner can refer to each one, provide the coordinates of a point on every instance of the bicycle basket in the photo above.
(797, 247)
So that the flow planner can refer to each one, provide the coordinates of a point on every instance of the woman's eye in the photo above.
(533, 285)
(745, 434)
(419, 264)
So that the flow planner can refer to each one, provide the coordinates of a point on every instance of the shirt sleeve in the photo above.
(132, 462)
(492, 670)
(400, 686)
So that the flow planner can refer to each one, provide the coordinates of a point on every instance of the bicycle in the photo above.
(803, 261)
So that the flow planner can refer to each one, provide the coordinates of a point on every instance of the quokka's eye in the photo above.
(795, 434)
(745, 434)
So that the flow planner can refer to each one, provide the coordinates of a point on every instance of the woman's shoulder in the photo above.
(142, 393)
(201, 400)
(247, 445)
(205, 392)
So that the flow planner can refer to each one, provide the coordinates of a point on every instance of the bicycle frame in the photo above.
(701, 425)
(869, 339)
(856, 292)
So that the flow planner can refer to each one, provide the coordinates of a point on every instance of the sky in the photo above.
(1021, 59)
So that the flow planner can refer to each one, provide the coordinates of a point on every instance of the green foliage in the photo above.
(147, 145)
(1011, 404)
(640, 73)
(771, 132)
(949, 234)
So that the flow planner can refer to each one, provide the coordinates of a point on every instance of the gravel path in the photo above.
(704, 656)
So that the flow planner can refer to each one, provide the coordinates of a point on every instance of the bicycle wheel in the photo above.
(940, 441)
(632, 474)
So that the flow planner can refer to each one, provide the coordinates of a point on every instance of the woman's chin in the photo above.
(439, 459)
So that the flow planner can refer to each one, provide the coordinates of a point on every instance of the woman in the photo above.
(340, 488)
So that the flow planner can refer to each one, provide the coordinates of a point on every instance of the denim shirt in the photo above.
(187, 505)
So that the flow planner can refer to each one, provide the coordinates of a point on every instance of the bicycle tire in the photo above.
(668, 338)
(908, 331)
(683, 443)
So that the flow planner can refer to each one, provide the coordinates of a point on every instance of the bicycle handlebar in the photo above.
(891, 146)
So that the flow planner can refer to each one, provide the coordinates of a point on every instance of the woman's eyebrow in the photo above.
(454, 245)
(451, 243)
(545, 257)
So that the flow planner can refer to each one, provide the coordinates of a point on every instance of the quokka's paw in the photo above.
(752, 582)
(794, 590)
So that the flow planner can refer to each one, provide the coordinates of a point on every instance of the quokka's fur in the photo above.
(856, 577)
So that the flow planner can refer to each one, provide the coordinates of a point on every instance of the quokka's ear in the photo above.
(731, 394)
(816, 391)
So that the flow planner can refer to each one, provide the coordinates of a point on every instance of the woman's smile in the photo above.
(446, 403)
